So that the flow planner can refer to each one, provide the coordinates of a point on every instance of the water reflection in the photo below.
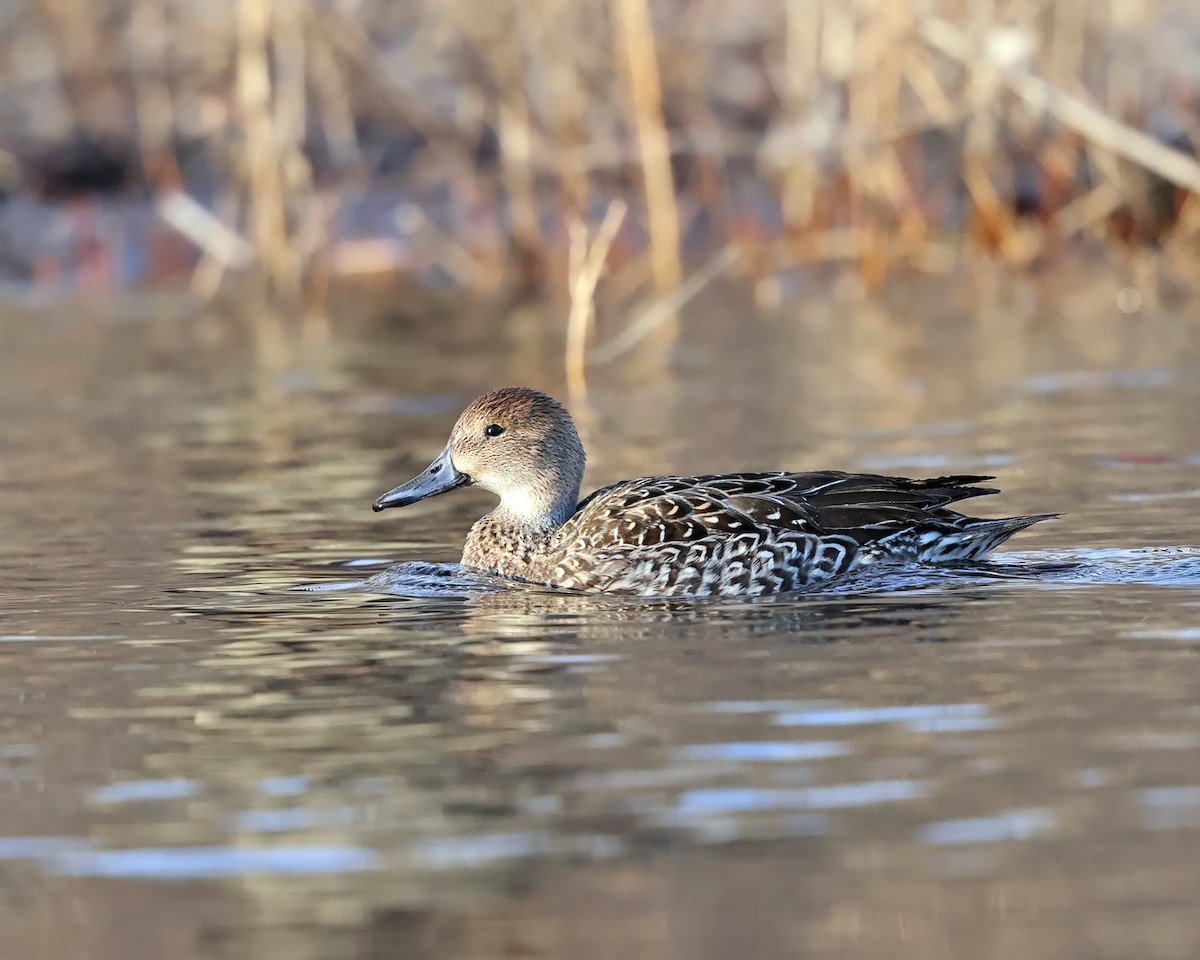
(1020, 824)
(1169, 808)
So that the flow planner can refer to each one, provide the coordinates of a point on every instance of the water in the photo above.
(199, 760)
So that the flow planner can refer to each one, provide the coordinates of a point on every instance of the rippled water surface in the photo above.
(199, 760)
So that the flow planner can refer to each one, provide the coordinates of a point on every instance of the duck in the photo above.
(713, 535)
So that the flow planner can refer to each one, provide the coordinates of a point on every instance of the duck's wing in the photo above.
(763, 532)
(695, 535)
(652, 510)
(864, 507)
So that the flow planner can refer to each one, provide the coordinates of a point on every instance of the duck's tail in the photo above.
(970, 538)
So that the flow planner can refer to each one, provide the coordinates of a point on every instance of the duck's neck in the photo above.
(513, 539)
(530, 509)
(509, 543)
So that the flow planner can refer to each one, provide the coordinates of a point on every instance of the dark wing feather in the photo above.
(867, 507)
(775, 531)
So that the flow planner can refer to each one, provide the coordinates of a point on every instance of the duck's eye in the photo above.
(493, 430)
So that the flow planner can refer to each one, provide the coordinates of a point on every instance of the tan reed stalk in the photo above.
(864, 40)
(802, 91)
(889, 51)
(586, 260)
(635, 40)
(862, 115)
(306, 215)
(261, 152)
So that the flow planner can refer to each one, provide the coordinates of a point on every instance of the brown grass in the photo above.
(871, 133)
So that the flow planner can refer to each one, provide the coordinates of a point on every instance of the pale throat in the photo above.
(533, 507)
(537, 504)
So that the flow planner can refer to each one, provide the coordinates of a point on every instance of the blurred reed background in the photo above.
(481, 146)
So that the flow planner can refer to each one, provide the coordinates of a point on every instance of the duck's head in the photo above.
(519, 444)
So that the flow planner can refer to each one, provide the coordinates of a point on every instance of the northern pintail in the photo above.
(740, 534)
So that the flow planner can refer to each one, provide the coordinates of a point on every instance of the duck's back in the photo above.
(754, 533)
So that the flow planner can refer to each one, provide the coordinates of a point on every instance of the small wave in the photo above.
(415, 578)
(1160, 566)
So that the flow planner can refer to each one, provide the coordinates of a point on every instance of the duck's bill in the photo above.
(438, 477)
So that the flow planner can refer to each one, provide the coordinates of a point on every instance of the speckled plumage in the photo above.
(741, 534)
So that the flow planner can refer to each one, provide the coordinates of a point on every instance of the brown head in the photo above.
(519, 444)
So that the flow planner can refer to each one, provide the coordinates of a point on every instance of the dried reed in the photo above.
(868, 132)
(587, 257)
(635, 46)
